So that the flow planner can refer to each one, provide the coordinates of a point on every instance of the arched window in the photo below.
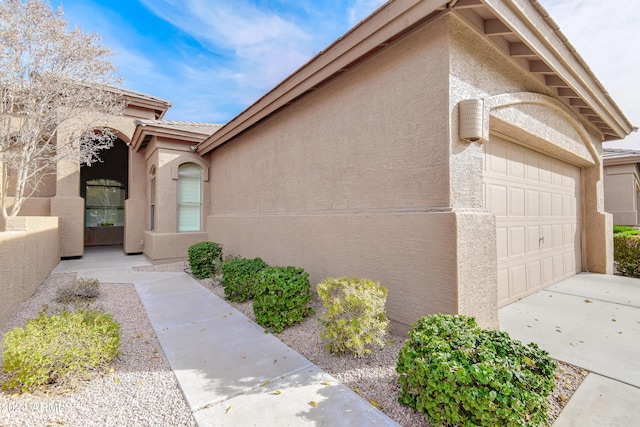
(152, 199)
(189, 197)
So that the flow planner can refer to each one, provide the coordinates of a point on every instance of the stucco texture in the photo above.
(29, 251)
(352, 180)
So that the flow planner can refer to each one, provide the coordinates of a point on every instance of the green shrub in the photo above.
(239, 277)
(459, 374)
(626, 255)
(79, 289)
(204, 259)
(619, 229)
(282, 296)
(354, 319)
(59, 349)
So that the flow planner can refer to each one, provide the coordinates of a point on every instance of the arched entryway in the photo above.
(104, 187)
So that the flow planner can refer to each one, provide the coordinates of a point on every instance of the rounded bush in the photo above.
(626, 254)
(456, 373)
(83, 289)
(59, 349)
(354, 319)
(239, 278)
(204, 259)
(282, 297)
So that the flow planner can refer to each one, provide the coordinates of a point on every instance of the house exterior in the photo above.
(451, 150)
(622, 185)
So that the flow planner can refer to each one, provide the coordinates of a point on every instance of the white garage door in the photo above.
(536, 201)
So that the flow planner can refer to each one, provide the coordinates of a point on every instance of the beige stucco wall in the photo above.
(29, 251)
(165, 243)
(621, 193)
(352, 179)
(170, 247)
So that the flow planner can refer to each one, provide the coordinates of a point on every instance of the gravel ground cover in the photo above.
(141, 390)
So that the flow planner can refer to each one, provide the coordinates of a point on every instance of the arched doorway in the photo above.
(104, 187)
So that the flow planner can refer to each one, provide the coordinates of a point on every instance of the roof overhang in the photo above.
(145, 102)
(180, 132)
(521, 29)
(613, 156)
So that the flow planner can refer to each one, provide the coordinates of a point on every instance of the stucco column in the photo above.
(597, 224)
(476, 272)
(67, 204)
(135, 207)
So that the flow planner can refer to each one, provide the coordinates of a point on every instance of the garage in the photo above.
(536, 202)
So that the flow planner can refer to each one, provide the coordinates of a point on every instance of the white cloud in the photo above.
(607, 35)
(265, 47)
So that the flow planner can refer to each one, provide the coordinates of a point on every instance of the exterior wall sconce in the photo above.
(471, 119)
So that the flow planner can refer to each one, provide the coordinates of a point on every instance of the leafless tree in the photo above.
(54, 81)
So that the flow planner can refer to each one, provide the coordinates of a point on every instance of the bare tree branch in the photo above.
(52, 79)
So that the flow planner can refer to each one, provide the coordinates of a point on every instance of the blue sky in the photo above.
(213, 58)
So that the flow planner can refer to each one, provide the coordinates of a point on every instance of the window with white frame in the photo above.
(153, 198)
(189, 197)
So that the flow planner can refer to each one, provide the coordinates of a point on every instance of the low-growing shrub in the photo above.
(59, 349)
(239, 278)
(626, 255)
(625, 229)
(79, 289)
(204, 259)
(354, 319)
(282, 297)
(456, 373)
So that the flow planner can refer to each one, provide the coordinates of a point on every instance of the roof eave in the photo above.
(184, 136)
(552, 47)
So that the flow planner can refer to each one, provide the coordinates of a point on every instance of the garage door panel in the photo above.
(569, 262)
(533, 275)
(545, 203)
(569, 237)
(557, 204)
(516, 242)
(497, 199)
(557, 236)
(532, 166)
(558, 266)
(533, 238)
(515, 155)
(545, 170)
(502, 243)
(518, 279)
(516, 198)
(556, 172)
(503, 284)
(533, 202)
(547, 269)
(535, 199)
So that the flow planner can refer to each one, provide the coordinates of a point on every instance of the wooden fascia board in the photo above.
(390, 20)
(540, 34)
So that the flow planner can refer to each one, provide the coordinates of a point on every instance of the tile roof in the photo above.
(618, 153)
(195, 127)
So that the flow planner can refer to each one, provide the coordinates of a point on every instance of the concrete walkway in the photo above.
(591, 321)
(230, 372)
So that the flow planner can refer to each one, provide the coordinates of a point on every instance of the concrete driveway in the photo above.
(591, 321)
